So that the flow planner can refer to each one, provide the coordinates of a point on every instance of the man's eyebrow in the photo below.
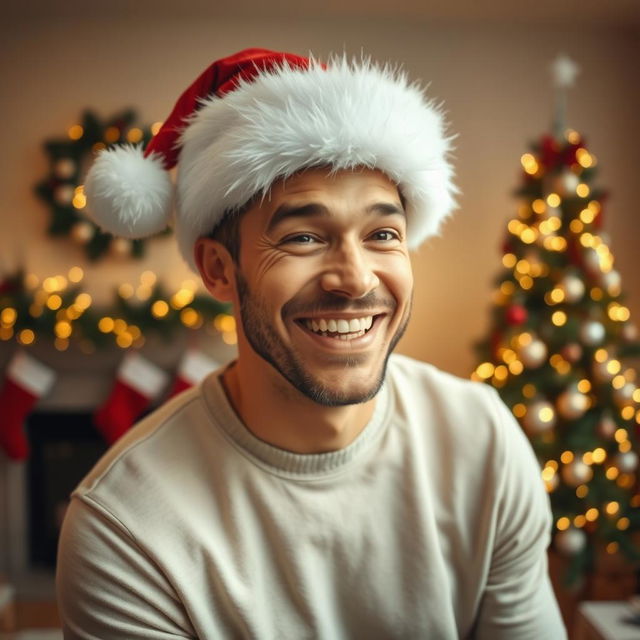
(311, 209)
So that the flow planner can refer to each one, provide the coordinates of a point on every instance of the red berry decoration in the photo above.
(516, 314)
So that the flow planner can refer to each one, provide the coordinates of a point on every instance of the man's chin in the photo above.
(345, 388)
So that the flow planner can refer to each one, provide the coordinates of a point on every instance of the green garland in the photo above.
(62, 190)
(56, 309)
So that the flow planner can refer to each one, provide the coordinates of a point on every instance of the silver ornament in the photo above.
(592, 332)
(611, 281)
(570, 541)
(533, 354)
(626, 461)
(601, 372)
(572, 403)
(573, 288)
(576, 473)
(540, 417)
(624, 396)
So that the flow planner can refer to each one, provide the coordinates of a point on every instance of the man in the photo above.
(316, 487)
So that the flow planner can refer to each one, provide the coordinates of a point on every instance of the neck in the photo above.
(285, 418)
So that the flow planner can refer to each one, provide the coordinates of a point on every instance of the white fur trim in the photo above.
(142, 375)
(127, 194)
(348, 115)
(31, 374)
(194, 366)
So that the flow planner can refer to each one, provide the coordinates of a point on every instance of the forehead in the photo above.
(352, 189)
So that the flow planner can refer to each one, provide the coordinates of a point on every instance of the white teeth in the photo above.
(343, 326)
(346, 329)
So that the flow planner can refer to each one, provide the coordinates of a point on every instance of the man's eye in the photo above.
(301, 238)
(385, 235)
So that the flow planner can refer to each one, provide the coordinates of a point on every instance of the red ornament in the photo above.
(516, 314)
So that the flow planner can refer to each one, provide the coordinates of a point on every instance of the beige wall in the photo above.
(493, 79)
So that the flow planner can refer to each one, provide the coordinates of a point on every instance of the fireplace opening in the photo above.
(64, 448)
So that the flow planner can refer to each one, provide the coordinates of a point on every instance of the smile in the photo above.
(339, 328)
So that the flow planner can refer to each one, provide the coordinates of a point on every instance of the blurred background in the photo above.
(489, 64)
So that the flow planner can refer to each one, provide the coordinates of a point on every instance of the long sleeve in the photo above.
(108, 588)
(518, 601)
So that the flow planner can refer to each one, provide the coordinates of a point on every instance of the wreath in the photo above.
(63, 192)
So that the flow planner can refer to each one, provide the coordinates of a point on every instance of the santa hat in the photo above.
(260, 115)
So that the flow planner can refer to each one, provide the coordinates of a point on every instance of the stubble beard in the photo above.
(266, 342)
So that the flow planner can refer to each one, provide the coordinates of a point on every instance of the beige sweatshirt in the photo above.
(432, 524)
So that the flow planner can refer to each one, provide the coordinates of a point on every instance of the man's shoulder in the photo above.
(414, 375)
(445, 407)
(155, 447)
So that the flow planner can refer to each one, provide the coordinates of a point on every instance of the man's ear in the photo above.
(216, 268)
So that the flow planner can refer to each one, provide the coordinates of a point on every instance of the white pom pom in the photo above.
(127, 194)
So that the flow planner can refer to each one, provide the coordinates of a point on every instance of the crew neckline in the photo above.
(281, 461)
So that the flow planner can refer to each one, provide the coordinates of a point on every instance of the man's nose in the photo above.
(350, 272)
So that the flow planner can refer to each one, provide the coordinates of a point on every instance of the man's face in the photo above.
(324, 283)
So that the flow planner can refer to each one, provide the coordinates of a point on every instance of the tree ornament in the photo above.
(591, 261)
(121, 247)
(572, 403)
(65, 168)
(624, 395)
(606, 426)
(82, 232)
(570, 541)
(540, 417)
(576, 473)
(564, 184)
(601, 371)
(571, 352)
(626, 461)
(629, 331)
(63, 194)
(611, 281)
(533, 354)
(516, 314)
(592, 332)
(573, 288)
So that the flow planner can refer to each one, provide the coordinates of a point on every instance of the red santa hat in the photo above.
(261, 115)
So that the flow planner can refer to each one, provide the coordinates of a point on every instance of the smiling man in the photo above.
(318, 486)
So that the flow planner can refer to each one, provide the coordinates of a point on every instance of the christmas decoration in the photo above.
(571, 541)
(571, 403)
(579, 403)
(137, 384)
(539, 417)
(576, 473)
(56, 309)
(63, 189)
(26, 380)
(192, 369)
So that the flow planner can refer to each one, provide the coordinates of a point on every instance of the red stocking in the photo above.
(138, 383)
(25, 382)
(193, 367)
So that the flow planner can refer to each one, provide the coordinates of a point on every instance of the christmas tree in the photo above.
(559, 345)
